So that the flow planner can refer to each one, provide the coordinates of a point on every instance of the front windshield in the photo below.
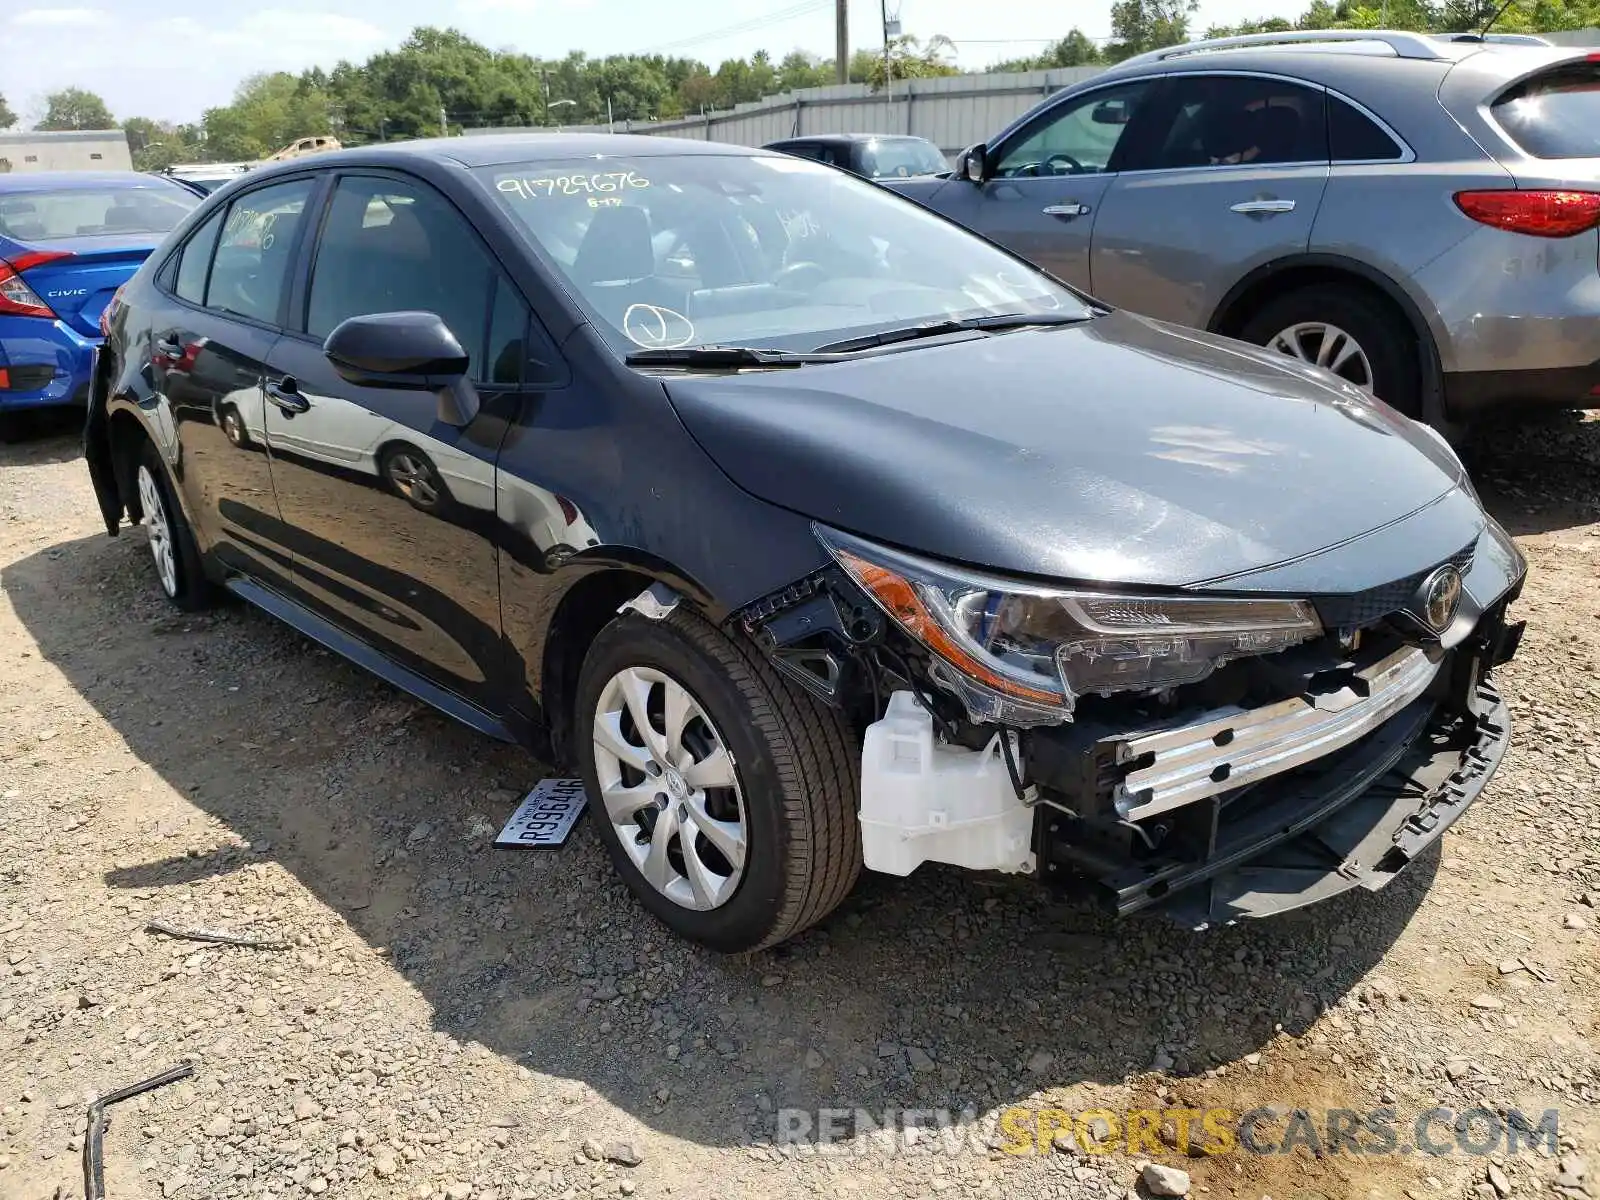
(763, 251)
(899, 158)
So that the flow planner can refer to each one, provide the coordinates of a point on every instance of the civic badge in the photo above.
(1440, 595)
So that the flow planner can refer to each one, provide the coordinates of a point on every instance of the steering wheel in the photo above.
(1052, 164)
(801, 276)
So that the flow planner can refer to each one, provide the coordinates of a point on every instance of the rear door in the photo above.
(223, 296)
(1047, 180)
(1229, 176)
(390, 510)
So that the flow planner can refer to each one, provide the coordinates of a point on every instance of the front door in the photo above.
(1046, 182)
(389, 510)
(210, 343)
(1229, 178)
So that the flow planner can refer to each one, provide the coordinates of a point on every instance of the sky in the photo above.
(172, 59)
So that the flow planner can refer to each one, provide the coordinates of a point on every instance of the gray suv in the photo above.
(1417, 214)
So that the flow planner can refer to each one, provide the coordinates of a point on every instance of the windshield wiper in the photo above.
(728, 357)
(907, 333)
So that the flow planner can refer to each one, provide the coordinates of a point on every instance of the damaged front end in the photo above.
(1219, 756)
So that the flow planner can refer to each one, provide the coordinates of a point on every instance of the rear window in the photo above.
(93, 212)
(1353, 137)
(899, 158)
(1554, 115)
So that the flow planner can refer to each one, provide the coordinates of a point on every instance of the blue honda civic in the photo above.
(68, 240)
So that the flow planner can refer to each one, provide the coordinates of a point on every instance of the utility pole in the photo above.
(888, 64)
(841, 40)
(444, 123)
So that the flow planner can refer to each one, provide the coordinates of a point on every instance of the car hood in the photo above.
(1120, 450)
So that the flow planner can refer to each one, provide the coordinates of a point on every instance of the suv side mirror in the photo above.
(973, 164)
(412, 350)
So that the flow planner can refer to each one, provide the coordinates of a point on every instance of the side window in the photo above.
(194, 261)
(251, 267)
(507, 348)
(1077, 138)
(1236, 120)
(1353, 137)
(803, 150)
(390, 246)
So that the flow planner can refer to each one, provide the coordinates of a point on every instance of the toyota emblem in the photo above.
(1441, 594)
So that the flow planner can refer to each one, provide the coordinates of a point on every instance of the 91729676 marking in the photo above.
(544, 819)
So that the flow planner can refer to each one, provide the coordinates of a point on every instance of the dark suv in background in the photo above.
(1417, 214)
(869, 155)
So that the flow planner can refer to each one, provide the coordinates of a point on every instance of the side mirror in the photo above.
(412, 350)
(973, 164)
(1111, 112)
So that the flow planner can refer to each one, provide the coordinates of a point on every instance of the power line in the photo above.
(747, 26)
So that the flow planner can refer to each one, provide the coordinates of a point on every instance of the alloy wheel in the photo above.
(669, 788)
(233, 427)
(1328, 346)
(413, 479)
(159, 530)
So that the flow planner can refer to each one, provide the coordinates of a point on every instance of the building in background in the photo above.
(66, 150)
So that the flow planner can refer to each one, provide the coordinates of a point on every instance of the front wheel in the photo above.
(1360, 338)
(725, 796)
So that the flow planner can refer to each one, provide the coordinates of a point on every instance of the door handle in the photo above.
(285, 393)
(168, 348)
(1263, 208)
(1070, 209)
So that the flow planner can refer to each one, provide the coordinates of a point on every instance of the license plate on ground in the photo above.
(545, 817)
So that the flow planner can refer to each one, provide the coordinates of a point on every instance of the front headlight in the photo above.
(1022, 653)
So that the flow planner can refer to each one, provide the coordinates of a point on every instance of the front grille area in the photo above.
(1357, 610)
(1173, 767)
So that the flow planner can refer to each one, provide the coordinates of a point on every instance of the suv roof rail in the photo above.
(1508, 39)
(1404, 44)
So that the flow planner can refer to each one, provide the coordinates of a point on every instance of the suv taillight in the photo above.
(17, 299)
(1545, 213)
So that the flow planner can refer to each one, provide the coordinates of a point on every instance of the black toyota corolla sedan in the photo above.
(812, 530)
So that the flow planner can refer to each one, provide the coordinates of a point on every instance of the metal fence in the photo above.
(952, 112)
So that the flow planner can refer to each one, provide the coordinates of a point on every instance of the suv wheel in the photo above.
(172, 544)
(725, 796)
(1355, 336)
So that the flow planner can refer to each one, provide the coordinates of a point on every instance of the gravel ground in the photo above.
(453, 1021)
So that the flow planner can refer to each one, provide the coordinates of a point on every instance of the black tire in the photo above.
(1380, 329)
(796, 762)
(189, 589)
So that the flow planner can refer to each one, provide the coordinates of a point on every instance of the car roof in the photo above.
(1305, 53)
(59, 181)
(848, 138)
(495, 149)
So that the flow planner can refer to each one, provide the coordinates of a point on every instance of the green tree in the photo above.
(75, 108)
(1141, 25)
(7, 117)
(1074, 50)
(157, 144)
(268, 112)
(909, 58)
